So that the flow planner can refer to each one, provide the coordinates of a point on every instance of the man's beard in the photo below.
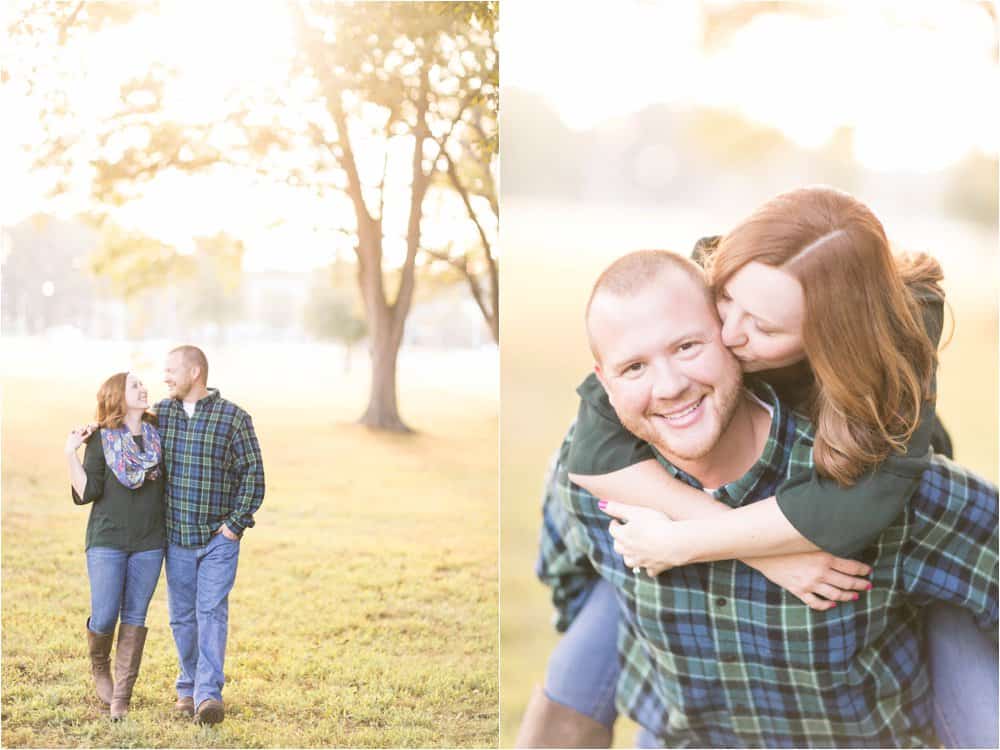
(725, 399)
(180, 391)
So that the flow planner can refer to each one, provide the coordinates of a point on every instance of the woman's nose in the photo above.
(733, 334)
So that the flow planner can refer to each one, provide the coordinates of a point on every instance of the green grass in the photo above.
(550, 261)
(365, 607)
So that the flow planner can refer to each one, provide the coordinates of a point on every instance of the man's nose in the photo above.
(733, 334)
(670, 383)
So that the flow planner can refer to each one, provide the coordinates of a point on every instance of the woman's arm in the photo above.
(711, 529)
(87, 478)
(77, 474)
(818, 579)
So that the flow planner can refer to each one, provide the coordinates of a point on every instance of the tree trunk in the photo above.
(382, 412)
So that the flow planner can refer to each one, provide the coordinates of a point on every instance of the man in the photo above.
(215, 483)
(713, 654)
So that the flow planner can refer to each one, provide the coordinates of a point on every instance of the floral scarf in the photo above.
(124, 458)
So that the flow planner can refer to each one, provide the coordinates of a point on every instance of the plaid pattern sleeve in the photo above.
(562, 560)
(215, 472)
(951, 549)
(715, 655)
(245, 465)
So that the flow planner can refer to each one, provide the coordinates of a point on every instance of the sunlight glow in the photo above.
(215, 56)
(915, 79)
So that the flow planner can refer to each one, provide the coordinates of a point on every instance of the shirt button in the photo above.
(720, 602)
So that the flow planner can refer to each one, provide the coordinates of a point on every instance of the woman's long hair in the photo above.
(863, 332)
(111, 403)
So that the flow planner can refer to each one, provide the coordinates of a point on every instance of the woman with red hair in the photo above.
(121, 477)
(813, 302)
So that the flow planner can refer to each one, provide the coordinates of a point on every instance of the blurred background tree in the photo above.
(331, 316)
(384, 104)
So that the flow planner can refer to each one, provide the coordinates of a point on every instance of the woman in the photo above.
(812, 299)
(122, 476)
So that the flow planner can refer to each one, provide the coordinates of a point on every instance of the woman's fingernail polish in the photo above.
(856, 597)
(602, 505)
(869, 586)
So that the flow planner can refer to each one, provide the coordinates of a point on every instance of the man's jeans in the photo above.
(199, 580)
(121, 583)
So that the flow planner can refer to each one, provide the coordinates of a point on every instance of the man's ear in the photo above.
(600, 375)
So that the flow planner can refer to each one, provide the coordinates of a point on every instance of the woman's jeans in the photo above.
(583, 670)
(121, 584)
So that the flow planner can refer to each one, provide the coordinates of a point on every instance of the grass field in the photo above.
(365, 607)
(551, 258)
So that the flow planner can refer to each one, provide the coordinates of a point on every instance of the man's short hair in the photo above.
(194, 357)
(634, 272)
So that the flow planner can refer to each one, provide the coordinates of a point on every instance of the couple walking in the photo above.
(181, 484)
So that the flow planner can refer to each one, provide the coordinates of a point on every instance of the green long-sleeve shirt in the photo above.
(120, 518)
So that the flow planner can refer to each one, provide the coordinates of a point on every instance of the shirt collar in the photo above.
(213, 395)
(768, 468)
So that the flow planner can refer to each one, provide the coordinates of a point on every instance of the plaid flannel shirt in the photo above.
(715, 655)
(215, 473)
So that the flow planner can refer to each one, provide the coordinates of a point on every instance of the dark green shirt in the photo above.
(121, 518)
(840, 520)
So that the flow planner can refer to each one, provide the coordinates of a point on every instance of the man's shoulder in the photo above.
(229, 409)
(953, 495)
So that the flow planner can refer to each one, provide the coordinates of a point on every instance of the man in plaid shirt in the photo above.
(713, 654)
(215, 483)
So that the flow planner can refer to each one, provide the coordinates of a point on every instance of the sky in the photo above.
(912, 77)
(282, 228)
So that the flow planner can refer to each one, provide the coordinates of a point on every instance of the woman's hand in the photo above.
(818, 579)
(76, 438)
(648, 539)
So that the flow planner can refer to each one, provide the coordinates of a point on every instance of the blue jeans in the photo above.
(962, 659)
(121, 584)
(199, 580)
(583, 669)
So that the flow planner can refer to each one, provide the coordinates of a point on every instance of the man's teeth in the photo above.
(679, 415)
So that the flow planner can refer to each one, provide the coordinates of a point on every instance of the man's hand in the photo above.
(648, 539)
(224, 530)
(818, 579)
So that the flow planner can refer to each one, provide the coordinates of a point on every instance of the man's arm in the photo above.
(248, 465)
(562, 563)
(951, 545)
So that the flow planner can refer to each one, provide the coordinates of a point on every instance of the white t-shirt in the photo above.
(188, 408)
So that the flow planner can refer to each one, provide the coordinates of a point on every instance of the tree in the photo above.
(426, 69)
(330, 315)
(371, 76)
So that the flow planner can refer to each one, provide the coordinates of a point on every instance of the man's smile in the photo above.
(683, 416)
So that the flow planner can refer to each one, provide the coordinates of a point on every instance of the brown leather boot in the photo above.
(210, 711)
(550, 724)
(128, 657)
(99, 647)
(185, 707)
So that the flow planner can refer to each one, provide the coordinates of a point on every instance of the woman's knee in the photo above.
(102, 623)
